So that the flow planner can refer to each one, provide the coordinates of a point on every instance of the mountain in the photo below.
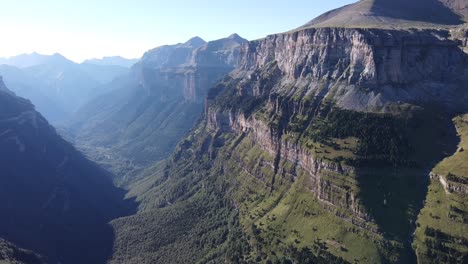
(112, 61)
(323, 145)
(395, 14)
(155, 106)
(34, 59)
(56, 85)
(55, 202)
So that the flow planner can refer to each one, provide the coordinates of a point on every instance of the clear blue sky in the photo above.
(81, 29)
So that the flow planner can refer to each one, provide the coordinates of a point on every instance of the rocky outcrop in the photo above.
(460, 34)
(450, 186)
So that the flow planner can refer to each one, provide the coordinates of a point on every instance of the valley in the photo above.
(341, 141)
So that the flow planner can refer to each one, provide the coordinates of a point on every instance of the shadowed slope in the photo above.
(54, 201)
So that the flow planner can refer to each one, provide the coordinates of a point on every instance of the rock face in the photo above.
(269, 139)
(369, 71)
(364, 70)
(194, 66)
(53, 197)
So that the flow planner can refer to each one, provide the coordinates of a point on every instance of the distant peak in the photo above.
(195, 42)
(237, 38)
(234, 36)
(58, 55)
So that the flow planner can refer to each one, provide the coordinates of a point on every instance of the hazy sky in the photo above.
(81, 29)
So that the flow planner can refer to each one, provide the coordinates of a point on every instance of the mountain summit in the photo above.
(394, 13)
(195, 42)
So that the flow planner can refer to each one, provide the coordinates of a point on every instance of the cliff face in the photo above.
(288, 84)
(364, 70)
(187, 70)
(331, 195)
(356, 69)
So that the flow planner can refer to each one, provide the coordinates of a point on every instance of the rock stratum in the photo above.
(363, 69)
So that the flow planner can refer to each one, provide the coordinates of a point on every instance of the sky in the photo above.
(83, 29)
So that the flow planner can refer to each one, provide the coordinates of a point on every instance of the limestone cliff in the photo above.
(187, 70)
(363, 69)
(288, 84)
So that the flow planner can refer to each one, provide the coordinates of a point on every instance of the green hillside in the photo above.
(442, 233)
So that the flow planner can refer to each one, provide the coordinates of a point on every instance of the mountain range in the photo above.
(341, 141)
(56, 85)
